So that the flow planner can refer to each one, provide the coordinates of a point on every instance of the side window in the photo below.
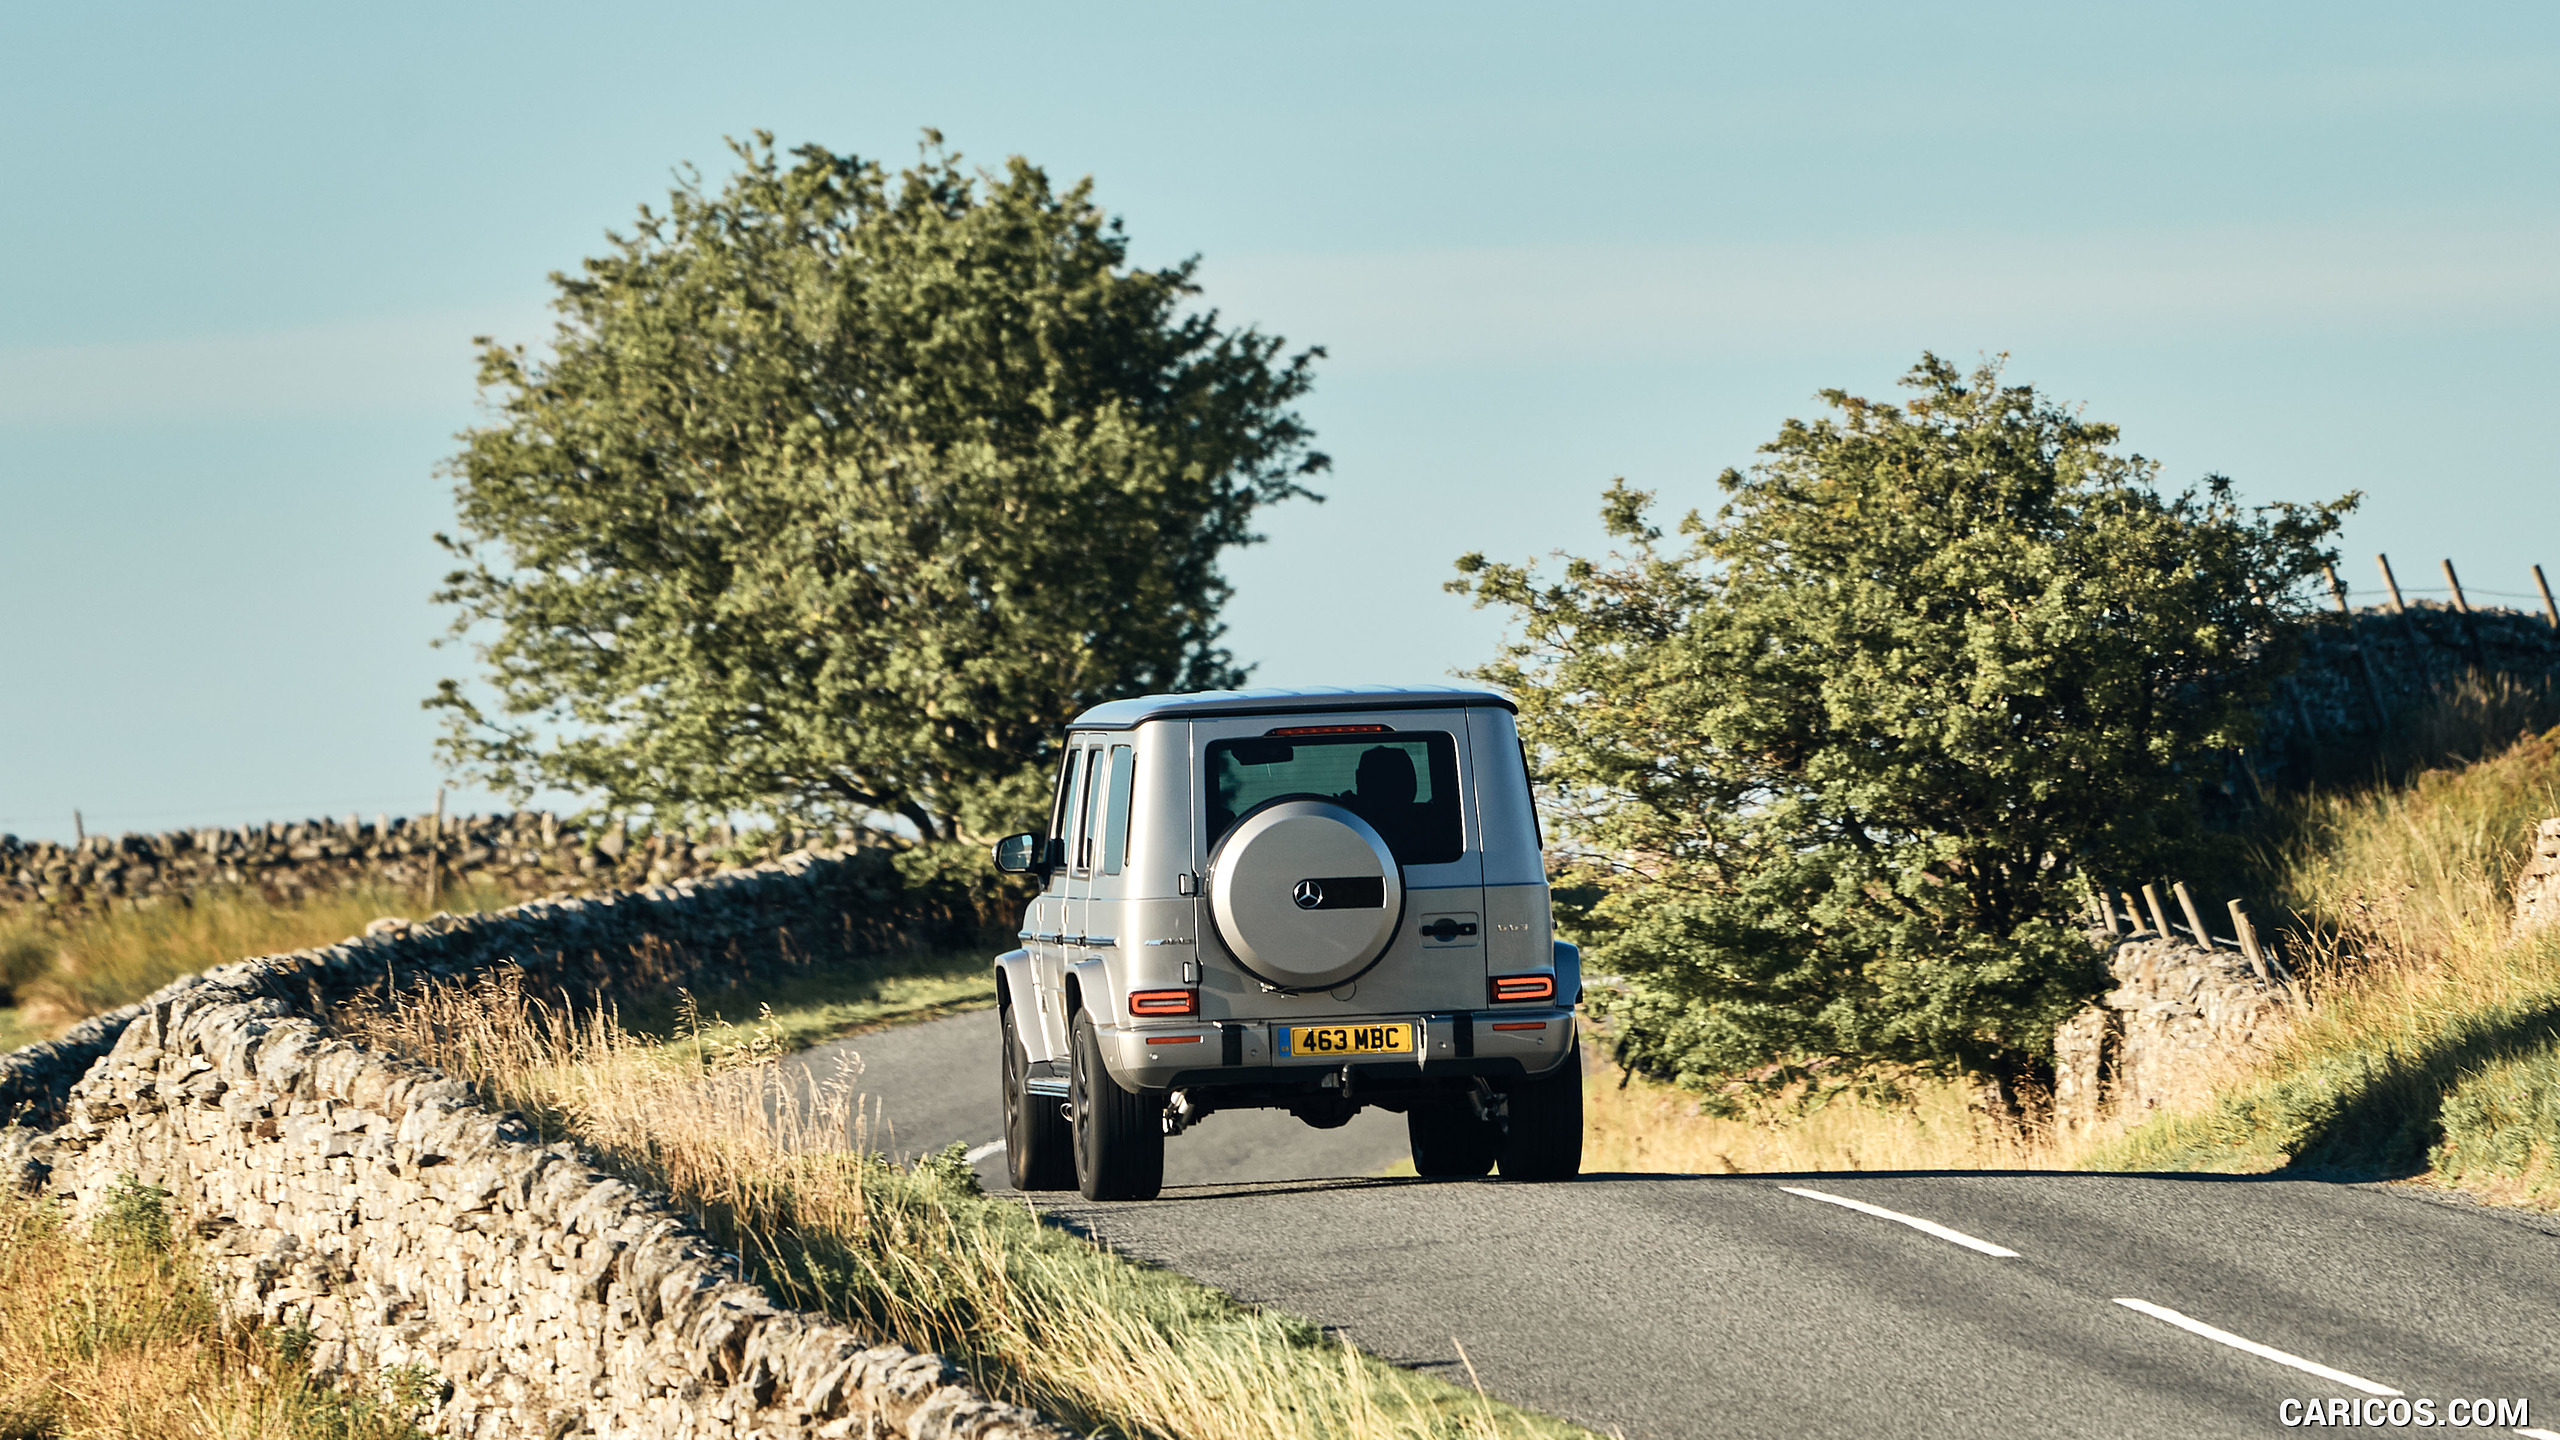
(1115, 826)
(1537, 827)
(1089, 834)
(1063, 812)
(1066, 789)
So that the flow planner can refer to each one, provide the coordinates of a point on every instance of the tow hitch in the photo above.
(1182, 1112)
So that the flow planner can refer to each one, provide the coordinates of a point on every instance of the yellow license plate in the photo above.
(1298, 1040)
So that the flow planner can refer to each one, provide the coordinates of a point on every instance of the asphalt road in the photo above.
(923, 1087)
(1671, 1306)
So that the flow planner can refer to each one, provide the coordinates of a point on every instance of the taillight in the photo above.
(1510, 988)
(1166, 1002)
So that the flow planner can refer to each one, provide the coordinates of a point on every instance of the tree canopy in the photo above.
(839, 494)
(1836, 767)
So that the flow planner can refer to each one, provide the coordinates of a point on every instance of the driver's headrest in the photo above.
(1386, 777)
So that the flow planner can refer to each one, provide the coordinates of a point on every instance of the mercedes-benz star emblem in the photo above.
(1308, 894)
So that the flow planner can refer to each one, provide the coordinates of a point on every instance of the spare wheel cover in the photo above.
(1305, 894)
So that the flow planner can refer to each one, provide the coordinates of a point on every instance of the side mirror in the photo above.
(1019, 854)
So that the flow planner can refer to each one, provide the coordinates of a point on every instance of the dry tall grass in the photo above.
(58, 972)
(1645, 1127)
(1035, 1315)
(107, 1332)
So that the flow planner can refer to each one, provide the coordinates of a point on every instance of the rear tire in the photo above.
(1119, 1137)
(1039, 1147)
(1544, 1140)
(1449, 1142)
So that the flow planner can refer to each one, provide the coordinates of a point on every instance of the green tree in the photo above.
(839, 494)
(1838, 765)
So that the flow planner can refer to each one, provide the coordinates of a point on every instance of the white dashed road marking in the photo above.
(983, 1151)
(1925, 1227)
(2263, 1352)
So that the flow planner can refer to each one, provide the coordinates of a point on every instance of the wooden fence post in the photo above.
(2364, 657)
(79, 829)
(2159, 916)
(2248, 934)
(2421, 651)
(2195, 919)
(2469, 630)
(2550, 611)
(435, 851)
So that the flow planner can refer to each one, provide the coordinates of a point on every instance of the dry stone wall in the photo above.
(2177, 1015)
(408, 1225)
(2363, 674)
(527, 852)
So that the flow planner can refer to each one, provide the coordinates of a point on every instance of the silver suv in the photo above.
(1313, 901)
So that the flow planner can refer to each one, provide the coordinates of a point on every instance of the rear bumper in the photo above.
(1250, 1054)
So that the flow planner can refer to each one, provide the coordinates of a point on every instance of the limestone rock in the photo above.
(2538, 888)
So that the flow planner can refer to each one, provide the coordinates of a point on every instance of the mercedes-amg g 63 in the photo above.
(1313, 901)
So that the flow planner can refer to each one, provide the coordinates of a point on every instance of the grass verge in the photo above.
(1033, 1314)
(107, 1330)
(2501, 1127)
(824, 999)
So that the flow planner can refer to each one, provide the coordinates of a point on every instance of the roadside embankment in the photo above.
(382, 1208)
(404, 1222)
(2430, 1043)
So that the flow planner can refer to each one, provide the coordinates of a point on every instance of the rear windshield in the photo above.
(1405, 785)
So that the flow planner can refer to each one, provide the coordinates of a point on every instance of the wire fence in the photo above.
(2144, 917)
(2393, 594)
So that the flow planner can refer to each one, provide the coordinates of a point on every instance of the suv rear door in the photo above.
(1435, 833)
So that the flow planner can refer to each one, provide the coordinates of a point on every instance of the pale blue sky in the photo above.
(2316, 247)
